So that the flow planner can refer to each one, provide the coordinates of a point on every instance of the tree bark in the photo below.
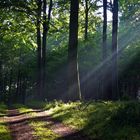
(23, 93)
(73, 72)
(39, 51)
(44, 47)
(46, 23)
(115, 51)
(10, 86)
(104, 51)
(86, 19)
(18, 85)
(104, 29)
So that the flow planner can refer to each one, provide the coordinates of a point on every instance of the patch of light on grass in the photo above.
(42, 132)
(4, 132)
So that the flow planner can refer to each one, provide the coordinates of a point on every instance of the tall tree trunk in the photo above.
(104, 29)
(115, 50)
(39, 50)
(46, 23)
(86, 19)
(44, 47)
(73, 72)
(104, 50)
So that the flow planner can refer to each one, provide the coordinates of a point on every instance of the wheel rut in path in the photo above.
(65, 132)
(20, 130)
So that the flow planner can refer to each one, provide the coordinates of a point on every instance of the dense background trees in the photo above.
(42, 48)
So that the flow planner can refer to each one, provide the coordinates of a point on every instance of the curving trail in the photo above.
(20, 129)
(18, 125)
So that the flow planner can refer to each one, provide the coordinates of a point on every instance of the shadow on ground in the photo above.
(20, 129)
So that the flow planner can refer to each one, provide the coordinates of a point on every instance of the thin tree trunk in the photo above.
(18, 86)
(115, 51)
(73, 72)
(20, 89)
(23, 97)
(10, 86)
(5, 79)
(86, 19)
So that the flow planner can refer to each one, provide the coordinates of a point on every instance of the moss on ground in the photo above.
(101, 120)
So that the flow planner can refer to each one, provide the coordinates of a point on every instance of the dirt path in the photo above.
(20, 130)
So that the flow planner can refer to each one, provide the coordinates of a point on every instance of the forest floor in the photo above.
(38, 124)
(100, 120)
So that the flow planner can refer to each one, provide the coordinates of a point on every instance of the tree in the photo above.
(46, 23)
(115, 50)
(104, 49)
(104, 29)
(86, 18)
(39, 49)
(73, 72)
(89, 7)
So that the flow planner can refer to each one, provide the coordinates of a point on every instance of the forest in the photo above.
(69, 69)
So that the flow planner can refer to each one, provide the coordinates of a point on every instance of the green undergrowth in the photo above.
(100, 120)
(41, 131)
(22, 108)
(3, 109)
(36, 104)
(4, 131)
(44, 105)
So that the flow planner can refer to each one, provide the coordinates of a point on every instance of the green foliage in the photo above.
(126, 97)
(4, 132)
(124, 123)
(89, 53)
(101, 120)
(36, 104)
(3, 109)
(127, 114)
(22, 108)
(44, 105)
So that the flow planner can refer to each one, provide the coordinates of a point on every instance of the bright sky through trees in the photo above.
(109, 13)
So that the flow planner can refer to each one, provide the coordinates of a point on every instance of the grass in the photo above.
(4, 131)
(22, 108)
(42, 132)
(101, 120)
